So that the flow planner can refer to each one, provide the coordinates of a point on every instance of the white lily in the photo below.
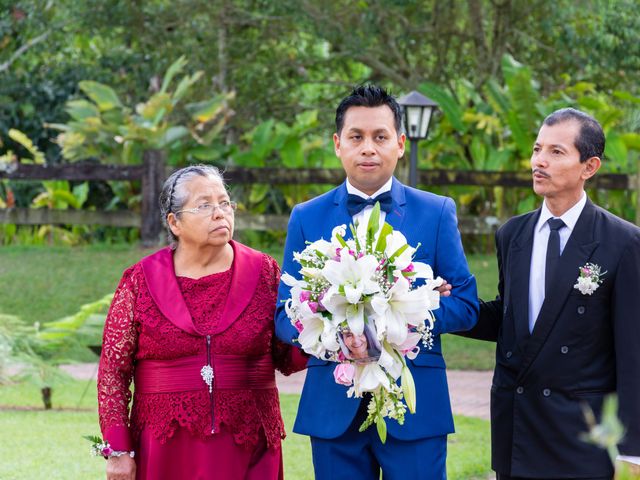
(322, 246)
(356, 276)
(292, 281)
(329, 337)
(410, 345)
(395, 241)
(423, 270)
(311, 272)
(400, 308)
(309, 338)
(339, 230)
(431, 295)
(295, 294)
(342, 310)
(390, 362)
(369, 377)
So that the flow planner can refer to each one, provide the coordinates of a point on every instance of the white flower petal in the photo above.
(290, 280)
(391, 363)
(370, 377)
(353, 292)
(339, 230)
(355, 318)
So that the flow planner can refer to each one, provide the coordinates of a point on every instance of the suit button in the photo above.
(546, 392)
(504, 310)
(520, 390)
(508, 354)
(564, 349)
(581, 310)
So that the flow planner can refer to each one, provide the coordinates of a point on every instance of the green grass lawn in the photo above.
(48, 445)
(40, 284)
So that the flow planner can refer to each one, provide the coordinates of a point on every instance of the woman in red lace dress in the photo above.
(192, 327)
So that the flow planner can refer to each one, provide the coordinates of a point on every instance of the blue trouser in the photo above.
(355, 455)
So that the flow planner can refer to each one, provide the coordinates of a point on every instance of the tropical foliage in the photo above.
(102, 127)
(256, 83)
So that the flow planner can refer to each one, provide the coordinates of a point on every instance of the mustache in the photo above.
(540, 172)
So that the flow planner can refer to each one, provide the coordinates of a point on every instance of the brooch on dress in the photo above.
(589, 279)
(207, 375)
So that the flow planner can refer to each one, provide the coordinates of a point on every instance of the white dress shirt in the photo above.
(365, 213)
(539, 252)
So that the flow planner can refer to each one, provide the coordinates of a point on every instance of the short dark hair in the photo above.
(590, 139)
(368, 96)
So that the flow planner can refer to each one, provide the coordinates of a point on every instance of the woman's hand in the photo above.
(121, 468)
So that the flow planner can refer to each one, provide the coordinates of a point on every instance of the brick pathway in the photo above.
(469, 390)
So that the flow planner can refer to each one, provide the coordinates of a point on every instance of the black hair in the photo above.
(368, 96)
(590, 139)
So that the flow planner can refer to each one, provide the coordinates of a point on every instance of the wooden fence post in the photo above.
(153, 162)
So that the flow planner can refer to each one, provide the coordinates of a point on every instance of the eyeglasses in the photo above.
(207, 209)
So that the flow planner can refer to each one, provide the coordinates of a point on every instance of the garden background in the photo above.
(251, 86)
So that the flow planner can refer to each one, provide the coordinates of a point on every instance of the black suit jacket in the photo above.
(582, 347)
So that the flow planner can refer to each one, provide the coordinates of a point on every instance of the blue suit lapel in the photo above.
(340, 213)
(396, 216)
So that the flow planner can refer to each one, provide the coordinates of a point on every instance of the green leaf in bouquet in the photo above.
(398, 252)
(341, 240)
(408, 388)
(92, 438)
(374, 223)
(382, 239)
(352, 227)
(381, 426)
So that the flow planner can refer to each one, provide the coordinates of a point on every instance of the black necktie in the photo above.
(553, 252)
(356, 204)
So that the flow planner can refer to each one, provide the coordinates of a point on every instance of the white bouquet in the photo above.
(358, 304)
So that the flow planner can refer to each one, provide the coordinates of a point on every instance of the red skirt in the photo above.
(216, 458)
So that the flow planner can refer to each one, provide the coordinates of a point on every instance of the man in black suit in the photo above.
(563, 342)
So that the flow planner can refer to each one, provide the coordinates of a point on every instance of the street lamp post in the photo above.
(416, 116)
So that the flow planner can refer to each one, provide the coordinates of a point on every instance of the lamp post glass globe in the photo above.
(417, 112)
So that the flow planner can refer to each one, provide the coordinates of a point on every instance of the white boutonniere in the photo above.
(589, 279)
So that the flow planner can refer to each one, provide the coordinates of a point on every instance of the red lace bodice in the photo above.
(136, 330)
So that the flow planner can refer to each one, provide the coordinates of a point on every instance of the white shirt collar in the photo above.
(384, 188)
(570, 217)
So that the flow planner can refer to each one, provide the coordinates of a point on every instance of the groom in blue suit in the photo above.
(369, 142)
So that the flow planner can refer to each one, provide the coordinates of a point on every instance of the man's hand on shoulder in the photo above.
(444, 289)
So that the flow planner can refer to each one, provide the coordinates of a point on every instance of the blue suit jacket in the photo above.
(325, 411)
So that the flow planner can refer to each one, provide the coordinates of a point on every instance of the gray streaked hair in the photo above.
(174, 194)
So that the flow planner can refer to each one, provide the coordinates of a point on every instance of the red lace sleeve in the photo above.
(286, 358)
(116, 362)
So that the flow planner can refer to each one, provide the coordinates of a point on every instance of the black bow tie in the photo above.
(356, 204)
